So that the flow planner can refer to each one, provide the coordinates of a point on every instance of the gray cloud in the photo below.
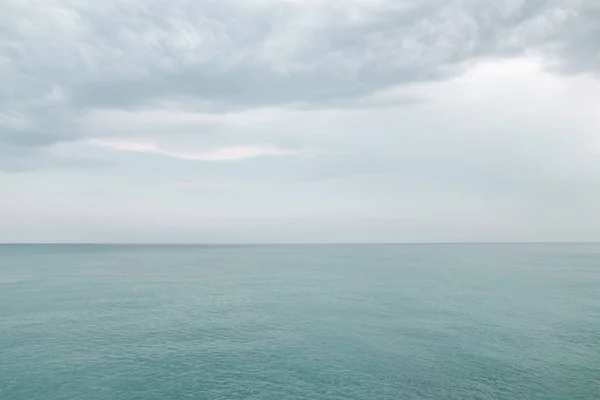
(396, 120)
(60, 59)
(579, 49)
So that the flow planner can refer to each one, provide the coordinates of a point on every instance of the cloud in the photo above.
(66, 60)
(215, 154)
(367, 118)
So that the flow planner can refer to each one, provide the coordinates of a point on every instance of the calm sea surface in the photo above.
(510, 322)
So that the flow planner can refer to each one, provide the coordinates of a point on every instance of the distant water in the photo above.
(300, 322)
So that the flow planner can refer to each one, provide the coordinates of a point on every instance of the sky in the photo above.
(213, 121)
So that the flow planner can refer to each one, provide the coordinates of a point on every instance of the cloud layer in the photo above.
(492, 105)
(63, 59)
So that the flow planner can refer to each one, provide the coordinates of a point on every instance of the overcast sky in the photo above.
(299, 120)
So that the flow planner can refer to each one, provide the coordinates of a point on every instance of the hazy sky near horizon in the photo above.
(299, 120)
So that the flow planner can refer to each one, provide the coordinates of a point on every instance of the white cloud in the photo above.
(213, 154)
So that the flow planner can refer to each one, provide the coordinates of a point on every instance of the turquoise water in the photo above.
(300, 322)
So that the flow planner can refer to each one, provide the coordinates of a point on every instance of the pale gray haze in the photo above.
(299, 120)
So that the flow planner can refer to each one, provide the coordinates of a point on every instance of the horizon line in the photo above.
(191, 244)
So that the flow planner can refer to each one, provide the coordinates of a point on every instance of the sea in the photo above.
(283, 322)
